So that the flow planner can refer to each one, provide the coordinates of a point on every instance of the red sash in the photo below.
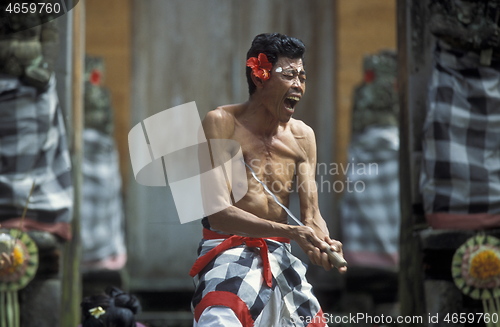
(233, 241)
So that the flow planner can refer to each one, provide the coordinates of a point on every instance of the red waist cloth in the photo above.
(233, 241)
(61, 229)
(471, 221)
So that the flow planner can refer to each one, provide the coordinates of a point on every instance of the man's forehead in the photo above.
(285, 63)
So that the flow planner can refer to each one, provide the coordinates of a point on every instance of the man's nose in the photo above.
(296, 84)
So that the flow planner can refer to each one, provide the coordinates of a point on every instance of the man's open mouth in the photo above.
(291, 102)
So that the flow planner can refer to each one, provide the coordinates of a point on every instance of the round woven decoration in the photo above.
(476, 267)
(25, 263)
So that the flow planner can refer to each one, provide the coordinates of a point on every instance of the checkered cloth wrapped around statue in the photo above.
(370, 213)
(460, 178)
(33, 149)
(370, 207)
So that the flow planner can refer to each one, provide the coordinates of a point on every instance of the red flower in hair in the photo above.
(260, 66)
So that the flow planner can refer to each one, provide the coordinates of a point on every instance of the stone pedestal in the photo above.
(40, 300)
(443, 299)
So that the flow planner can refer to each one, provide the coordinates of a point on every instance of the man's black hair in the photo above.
(273, 45)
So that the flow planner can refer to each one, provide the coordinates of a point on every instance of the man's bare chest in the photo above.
(272, 158)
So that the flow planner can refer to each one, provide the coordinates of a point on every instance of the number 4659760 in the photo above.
(463, 317)
(33, 7)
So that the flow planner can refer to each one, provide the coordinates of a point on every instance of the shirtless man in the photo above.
(277, 147)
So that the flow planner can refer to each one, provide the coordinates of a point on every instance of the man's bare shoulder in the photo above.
(219, 115)
(300, 130)
(219, 123)
(304, 136)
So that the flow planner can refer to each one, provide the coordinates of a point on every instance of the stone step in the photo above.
(166, 318)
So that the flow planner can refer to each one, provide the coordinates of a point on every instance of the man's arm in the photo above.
(309, 208)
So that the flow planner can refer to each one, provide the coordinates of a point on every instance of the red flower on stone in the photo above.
(95, 77)
(369, 76)
(261, 67)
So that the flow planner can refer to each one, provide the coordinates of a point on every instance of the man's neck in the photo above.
(258, 118)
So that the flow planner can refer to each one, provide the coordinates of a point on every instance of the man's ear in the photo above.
(257, 81)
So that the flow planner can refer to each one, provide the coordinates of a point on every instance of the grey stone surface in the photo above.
(40, 303)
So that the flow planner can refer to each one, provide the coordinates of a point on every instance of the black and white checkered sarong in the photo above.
(370, 209)
(461, 136)
(102, 217)
(238, 270)
(33, 147)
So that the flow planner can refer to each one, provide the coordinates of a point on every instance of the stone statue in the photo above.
(102, 215)
(467, 25)
(34, 156)
(376, 100)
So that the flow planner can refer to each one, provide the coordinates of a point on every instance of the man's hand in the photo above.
(315, 247)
